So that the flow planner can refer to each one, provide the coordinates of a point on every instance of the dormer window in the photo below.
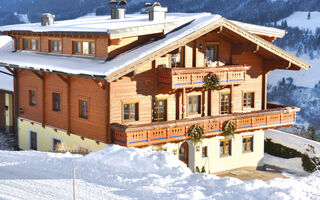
(84, 47)
(31, 44)
(55, 46)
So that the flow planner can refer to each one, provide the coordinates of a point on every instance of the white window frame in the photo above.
(52, 144)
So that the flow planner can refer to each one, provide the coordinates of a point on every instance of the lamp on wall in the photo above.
(201, 46)
(21, 111)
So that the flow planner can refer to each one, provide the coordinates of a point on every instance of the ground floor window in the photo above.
(204, 151)
(247, 144)
(225, 147)
(33, 141)
(56, 144)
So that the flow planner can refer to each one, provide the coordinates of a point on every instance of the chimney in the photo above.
(118, 10)
(157, 12)
(47, 19)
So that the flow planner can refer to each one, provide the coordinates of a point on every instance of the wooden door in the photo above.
(33, 141)
(184, 153)
(159, 110)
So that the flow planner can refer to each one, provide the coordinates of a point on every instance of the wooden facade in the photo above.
(124, 109)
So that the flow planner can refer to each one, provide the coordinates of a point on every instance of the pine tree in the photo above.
(309, 16)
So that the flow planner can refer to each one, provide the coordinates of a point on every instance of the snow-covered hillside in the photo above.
(300, 19)
(127, 173)
(306, 78)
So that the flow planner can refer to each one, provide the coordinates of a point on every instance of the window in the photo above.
(85, 48)
(248, 100)
(194, 105)
(31, 44)
(225, 147)
(56, 101)
(247, 144)
(225, 103)
(83, 149)
(55, 46)
(33, 140)
(32, 98)
(130, 112)
(176, 60)
(83, 109)
(204, 151)
(212, 52)
(159, 110)
(56, 145)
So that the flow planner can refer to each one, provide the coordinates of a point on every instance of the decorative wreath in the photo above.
(212, 81)
(196, 133)
(228, 128)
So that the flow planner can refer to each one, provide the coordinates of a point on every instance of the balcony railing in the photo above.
(176, 78)
(173, 131)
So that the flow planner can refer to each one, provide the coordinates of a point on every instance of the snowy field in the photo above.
(299, 19)
(127, 173)
(306, 78)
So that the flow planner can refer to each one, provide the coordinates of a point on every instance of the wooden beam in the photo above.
(6, 73)
(99, 83)
(257, 49)
(108, 112)
(63, 78)
(183, 96)
(38, 74)
(43, 100)
(220, 30)
(69, 105)
(232, 98)
(10, 70)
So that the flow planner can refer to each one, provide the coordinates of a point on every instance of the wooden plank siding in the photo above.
(80, 88)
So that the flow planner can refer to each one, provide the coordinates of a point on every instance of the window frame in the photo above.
(32, 96)
(50, 45)
(30, 138)
(206, 152)
(216, 44)
(165, 109)
(229, 103)
(224, 154)
(29, 39)
(245, 100)
(246, 138)
(179, 51)
(83, 115)
(53, 146)
(199, 96)
(136, 118)
(90, 52)
(53, 102)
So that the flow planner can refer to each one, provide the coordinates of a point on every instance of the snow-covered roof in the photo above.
(261, 30)
(132, 25)
(130, 60)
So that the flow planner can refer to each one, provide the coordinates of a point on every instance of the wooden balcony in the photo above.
(275, 116)
(176, 78)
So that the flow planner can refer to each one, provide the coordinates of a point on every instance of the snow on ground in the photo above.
(293, 165)
(128, 173)
(306, 78)
(299, 19)
(301, 144)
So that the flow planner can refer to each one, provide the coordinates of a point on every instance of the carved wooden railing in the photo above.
(176, 78)
(172, 131)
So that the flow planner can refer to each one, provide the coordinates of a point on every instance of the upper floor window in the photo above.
(55, 45)
(248, 100)
(56, 102)
(194, 103)
(83, 109)
(176, 58)
(159, 110)
(84, 48)
(225, 103)
(32, 98)
(31, 44)
(212, 52)
(130, 112)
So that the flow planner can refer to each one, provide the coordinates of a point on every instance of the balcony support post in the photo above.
(183, 96)
(231, 98)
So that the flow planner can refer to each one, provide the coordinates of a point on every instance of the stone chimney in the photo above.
(47, 19)
(157, 12)
(118, 9)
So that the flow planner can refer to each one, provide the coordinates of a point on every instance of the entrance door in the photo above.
(184, 153)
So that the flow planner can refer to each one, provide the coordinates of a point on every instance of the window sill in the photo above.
(247, 152)
(225, 156)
